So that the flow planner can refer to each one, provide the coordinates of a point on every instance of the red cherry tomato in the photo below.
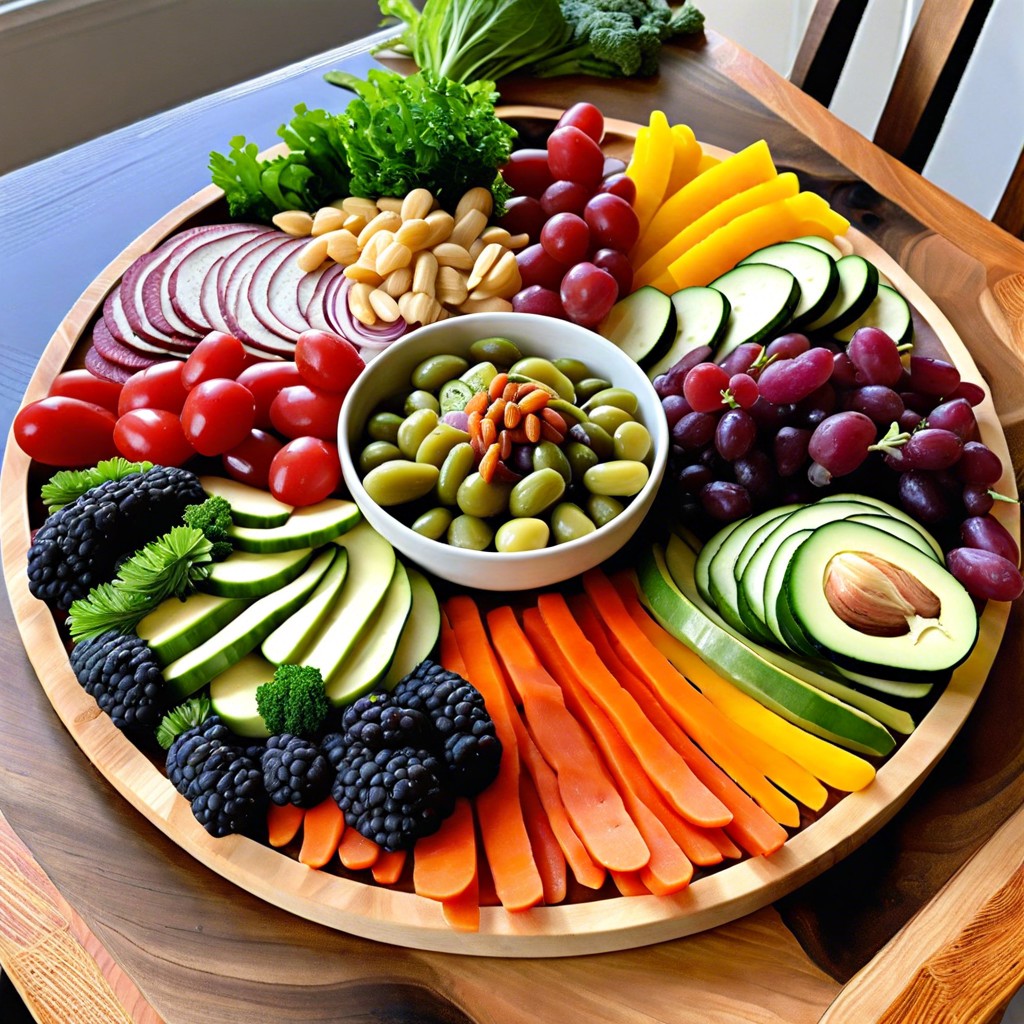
(612, 221)
(575, 156)
(156, 387)
(305, 471)
(63, 431)
(586, 117)
(153, 434)
(327, 361)
(88, 387)
(217, 355)
(250, 461)
(302, 411)
(218, 415)
(265, 380)
(527, 172)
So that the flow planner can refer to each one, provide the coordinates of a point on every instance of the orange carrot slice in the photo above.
(444, 864)
(322, 828)
(356, 851)
(629, 884)
(462, 912)
(388, 867)
(283, 823)
(546, 852)
(451, 656)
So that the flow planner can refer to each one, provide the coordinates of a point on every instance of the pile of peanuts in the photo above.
(406, 257)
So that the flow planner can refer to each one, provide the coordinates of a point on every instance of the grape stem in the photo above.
(996, 496)
(727, 398)
(892, 442)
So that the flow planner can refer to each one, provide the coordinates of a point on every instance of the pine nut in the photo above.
(451, 255)
(467, 227)
(312, 255)
(296, 223)
(386, 220)
(393, 257)
(478, 198)
(398, 282)
(384, 306)
(359, 304)
(417, 204)
(327, 218)
(441, 224)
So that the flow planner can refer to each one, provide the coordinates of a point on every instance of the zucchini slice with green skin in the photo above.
(889, 312)
(702, 315)
(814, 270)
(858, 286)
(233, 695)
(248, 574)
(174, 626)
(707, 551)
(761, 298)
(421, 631)
(249, 505)
(931, 644)
(643, 325)
(307, 527)
(824, 244)
(804, 705)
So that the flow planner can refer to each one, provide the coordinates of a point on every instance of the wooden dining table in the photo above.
(104, 918)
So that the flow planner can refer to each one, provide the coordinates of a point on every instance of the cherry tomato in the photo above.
(523, 215)
(217, 355)
(156, 387)
(305, 471)
(265, 380)
(564, 197)
(586, 117)
(575, 156)
(302, 411)
(617, 264)
(88, 387)
(527, 172)
(588, 293)
(621, 185)
(327, 361)
(218, 415)
(64, 431)
(612, 221)
(250, 461)
(566, 238)
(153, 434)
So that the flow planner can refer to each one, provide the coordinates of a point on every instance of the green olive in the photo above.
(609, 417)
(458, 464)
(527, 534)
(547, 455)
(436, 370)
(590, 386)
(434, 523)
(595, 437)
(580, 457)
(632, 441)
(569, 412)
(375, 453)
(383, 426)
(621, 398)
(499, 351)
(399, 481)
(470, 532)
(414, 429)
(545, 372)
(603, 508)
(575, 369)
(569, 522)
(478, 497)
(434, 448)
(480, 375)
(420, 399)
(536, 492)
(621, 478)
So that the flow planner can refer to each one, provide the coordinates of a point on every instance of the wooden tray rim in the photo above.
(403, 918)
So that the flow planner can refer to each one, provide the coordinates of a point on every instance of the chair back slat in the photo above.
(826, 44)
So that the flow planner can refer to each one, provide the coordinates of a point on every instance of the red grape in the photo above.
(931, 448)
(537, 266)
(588, 293)
(924, 497)
(787, 346)
(932, 376)
(704, 385)
(979, 464)
(612, 221)
(725, 500)
(790, 380)
(876, 356)
(621, 185)
(586, 117)
(988, 533)
(741, 358)
(565, 238)
(524, 215)
(735, 434)
(840, 443)
(881, 403)
(563, 197)
(527, 172)
(249, 462)
(575, 156)
(617, 264)
(985, 575)
(538, 299)
(743, 389)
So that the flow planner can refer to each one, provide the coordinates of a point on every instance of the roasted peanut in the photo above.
(327, 218)
(417, 204)
(424, 274)
(468, 227)
(312, 255)
(296, 223)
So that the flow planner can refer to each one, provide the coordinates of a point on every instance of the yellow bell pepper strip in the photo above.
(776, 188)
(686, 156)
(651, 166)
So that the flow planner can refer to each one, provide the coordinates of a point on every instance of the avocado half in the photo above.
(937, 640)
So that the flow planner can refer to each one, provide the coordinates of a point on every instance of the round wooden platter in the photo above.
(401, 917)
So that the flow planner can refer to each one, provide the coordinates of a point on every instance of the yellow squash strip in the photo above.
(781, 221)
(780, 187)
(747, 168)
(651, 166)
(834, 766)
(686, 155)
(707, 161)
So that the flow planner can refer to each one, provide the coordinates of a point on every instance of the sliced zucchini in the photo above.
(702, 315)
(233, 695)
(248, 574)
(707, 551)
(761, 299)
(250, 506)
(858, 286)
(306, 527)
(889, 312)
(174, 626)
(824, 244)
(421, 630)
(814, 270)
(643, 325)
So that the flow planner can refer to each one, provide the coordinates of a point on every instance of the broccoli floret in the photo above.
(213, 518)
(294, 701)
(685, 20)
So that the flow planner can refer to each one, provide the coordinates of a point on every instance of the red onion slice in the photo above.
(381, 334)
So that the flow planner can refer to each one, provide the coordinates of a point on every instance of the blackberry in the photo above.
(81, 545)
(379, 722)
(295, 771)
(121, 673)
(457, 712)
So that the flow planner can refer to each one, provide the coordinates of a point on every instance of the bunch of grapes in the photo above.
(576, 206)
(782, 423)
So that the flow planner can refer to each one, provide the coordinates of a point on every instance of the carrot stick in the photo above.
(322, 828)
(444, 864)
(462, 911)
(546, 851)
(451, 656)
(668, 869)
(591, 799)
(701, 720)
(388, 868)
(356, 851)
(498, 808)
(283, 823)
(629, 884)
(668, 771)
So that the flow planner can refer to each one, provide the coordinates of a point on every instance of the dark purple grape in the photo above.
(755, 472)
(908, 419)
(931, 376)
(844, 373)
(791, 380)
(675, 408)
(693, 477)
(985, 575)
(725, 501)
(876, 356)
(694, 430)
(821, 402)
(741, 358)
(974, 393)
(918, 402)
(977, 499)
(931, 448)
(979, 464)
(522, 458)
(735, 434)
(769, 416)
(676, 374)
(923, 497)
(987, 533)
(788, 346)
(876, 401)
(840, 443)
(661, 385)
(790, 450)
(956, 415)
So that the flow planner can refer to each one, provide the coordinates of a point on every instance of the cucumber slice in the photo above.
(858, 286)
(889, 312)
(421, 630)
(248, 574)
(454, 396)
(824, 244)
(762, 298)
(814, 270)
(249, 505)
(643, 325)
(307, 527)
(174, 626)
(233, 695)
(707, 551)
(702, 315)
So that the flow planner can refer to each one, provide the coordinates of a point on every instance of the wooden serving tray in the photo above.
(401, 917)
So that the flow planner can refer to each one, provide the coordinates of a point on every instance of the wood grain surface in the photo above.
(202, 950)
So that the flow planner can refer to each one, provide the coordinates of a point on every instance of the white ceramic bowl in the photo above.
(535, 335)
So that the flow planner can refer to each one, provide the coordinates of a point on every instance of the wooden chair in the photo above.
(940, 45)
